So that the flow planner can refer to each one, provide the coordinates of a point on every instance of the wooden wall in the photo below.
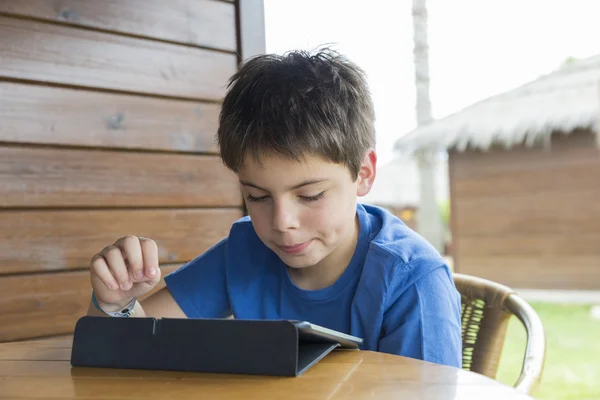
(108, 112)
(529, 218)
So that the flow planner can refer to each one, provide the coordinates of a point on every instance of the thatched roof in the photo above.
(563, 100)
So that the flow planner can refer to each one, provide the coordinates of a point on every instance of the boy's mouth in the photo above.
(296, 248)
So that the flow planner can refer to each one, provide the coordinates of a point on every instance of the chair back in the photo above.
(486, 310)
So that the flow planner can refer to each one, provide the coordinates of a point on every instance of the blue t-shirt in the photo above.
(397, 292)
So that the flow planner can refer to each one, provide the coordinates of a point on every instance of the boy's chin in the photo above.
(299, 262)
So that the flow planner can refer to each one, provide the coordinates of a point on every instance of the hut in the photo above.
(524, 178)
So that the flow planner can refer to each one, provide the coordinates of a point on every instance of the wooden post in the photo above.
(251, 28)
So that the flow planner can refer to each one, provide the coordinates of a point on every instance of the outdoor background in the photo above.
(477, 49)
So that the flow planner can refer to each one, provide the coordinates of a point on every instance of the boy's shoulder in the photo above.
(395, 248)
(243, 235)
(391, 235)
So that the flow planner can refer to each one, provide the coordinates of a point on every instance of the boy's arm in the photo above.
(161, 304)
(197, 289)
(423, 320)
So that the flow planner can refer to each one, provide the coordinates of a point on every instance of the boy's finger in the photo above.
(116, 265)
(150, 256)
(132, 251)
(98, 265)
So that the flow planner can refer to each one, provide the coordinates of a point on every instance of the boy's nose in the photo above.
(284, 217)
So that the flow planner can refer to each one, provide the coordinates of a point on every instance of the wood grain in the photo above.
(48, 304)
(59, 116)
(575, 212)
(573, 149)
(64, 55)
(340, 375)
(572, 163)
(43, 177)
(197, 22)
(568, 177)
(537, 272)
(543, 244)
(529, 218)
(63, 239)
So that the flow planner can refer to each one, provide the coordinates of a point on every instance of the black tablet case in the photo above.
(257, 347)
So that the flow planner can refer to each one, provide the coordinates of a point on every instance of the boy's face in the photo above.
(304, 211)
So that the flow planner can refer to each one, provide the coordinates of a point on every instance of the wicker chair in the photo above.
(486, 309)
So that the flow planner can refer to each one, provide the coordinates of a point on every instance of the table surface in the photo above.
(42, 369)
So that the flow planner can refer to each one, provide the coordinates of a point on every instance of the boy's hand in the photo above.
(124, 270)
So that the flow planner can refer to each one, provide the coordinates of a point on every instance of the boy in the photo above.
(298, 130)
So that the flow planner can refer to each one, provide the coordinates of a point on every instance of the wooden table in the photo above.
(41, 369)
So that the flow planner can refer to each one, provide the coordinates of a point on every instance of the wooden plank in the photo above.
(529, 205)
(64, 55)
(45, 177)
(50, 342)
(39, 305)
(59, 116)
(23, 353)
(554, 212)
(576, 149)
(347, 361)
(536, 272)
(51, 348)
(557, 176)
(55, 240)
(197, 22)
(542, 244)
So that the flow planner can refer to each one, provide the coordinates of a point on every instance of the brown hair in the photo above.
(297, 104)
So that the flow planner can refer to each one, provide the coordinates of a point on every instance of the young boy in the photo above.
(298, 130)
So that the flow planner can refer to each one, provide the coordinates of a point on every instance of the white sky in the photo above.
(478, 48)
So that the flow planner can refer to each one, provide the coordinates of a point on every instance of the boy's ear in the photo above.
(367, 172)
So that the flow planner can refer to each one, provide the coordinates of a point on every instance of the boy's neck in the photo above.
(327, 271)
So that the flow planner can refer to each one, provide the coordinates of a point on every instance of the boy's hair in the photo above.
(297, 104)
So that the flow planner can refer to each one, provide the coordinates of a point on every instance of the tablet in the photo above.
(314, 333)
(263, 347)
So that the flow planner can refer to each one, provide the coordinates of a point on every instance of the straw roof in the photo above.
(564, 100)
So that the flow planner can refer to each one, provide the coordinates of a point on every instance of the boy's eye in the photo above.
(314, 198)
(256, 199)
(317, 197)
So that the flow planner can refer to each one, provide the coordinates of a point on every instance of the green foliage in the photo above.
(568, 61)
(572, 368)
(445, 212)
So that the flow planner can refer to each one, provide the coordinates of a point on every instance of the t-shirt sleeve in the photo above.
(200, 286)
(422, 320)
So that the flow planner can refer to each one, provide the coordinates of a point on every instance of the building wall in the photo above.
(529, 218)
(108, 111)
